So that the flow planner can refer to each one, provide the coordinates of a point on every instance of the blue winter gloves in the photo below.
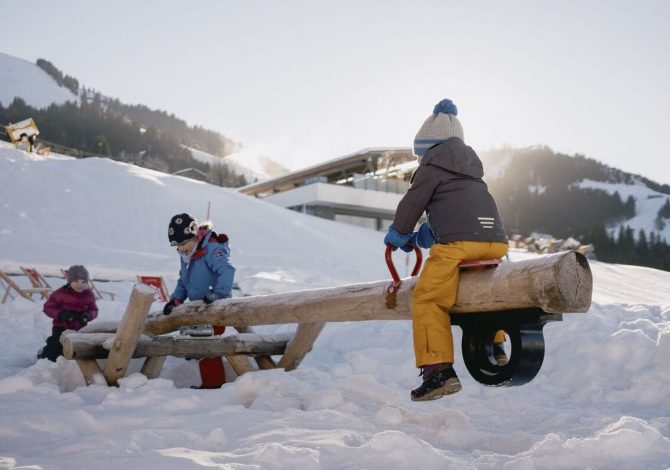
(423, 238)
(398, 240)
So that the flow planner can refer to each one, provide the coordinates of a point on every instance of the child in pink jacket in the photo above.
(71, 307)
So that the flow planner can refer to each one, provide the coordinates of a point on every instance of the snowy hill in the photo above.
(600, 400)
(252, 165)
(63, 206)
(20, 78)
(648, 203)
(539, 190)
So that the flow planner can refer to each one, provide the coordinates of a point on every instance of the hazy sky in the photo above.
(306, 81)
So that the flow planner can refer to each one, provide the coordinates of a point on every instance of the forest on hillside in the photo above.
(538, 192)
(96, 125)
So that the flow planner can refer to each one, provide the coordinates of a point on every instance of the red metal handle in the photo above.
(394, 273)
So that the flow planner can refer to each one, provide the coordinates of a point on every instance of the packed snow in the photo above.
(601, 399)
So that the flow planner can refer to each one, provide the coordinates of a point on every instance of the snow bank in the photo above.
(600, 400)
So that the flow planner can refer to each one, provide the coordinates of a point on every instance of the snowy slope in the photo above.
(56, 211)
(647, 204)
(26, 80)
(600, 400)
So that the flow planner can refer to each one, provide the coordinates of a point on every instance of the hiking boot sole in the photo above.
(450, 387)
(502, 360)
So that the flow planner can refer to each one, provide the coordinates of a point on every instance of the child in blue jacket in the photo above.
(205, 274)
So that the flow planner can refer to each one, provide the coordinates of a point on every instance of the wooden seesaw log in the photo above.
(555, 284)
(516, 297)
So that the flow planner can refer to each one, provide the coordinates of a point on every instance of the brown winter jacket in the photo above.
(448, 185)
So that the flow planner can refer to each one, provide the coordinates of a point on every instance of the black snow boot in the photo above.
(438, 380)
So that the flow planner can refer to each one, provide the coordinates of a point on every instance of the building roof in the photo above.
(389, 161)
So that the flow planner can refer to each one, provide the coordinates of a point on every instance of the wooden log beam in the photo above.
(300, 345)
(128, 333)
(152, 366)
(240, 364)
(91, 371)
(78, 345)
(263, 362)
(557, 283)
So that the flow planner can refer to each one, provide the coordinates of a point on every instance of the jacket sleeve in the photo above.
(218, 260)
(92, 307)
(414, 202)
(53, 305)
(180, 293)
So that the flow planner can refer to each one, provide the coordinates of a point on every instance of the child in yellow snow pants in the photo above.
(435, 293)
(463, 223)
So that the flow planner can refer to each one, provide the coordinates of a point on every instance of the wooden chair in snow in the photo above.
(161, 292)
(98, 293)
(37, 280)
(518, 298)
(8, 284)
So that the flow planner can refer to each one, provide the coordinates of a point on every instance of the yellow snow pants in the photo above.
(435, 293)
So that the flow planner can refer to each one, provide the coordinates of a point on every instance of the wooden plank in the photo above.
(78, 345)
(128, 333)
(91, 371)
(555, 283)
(300, 345)
(152, 366)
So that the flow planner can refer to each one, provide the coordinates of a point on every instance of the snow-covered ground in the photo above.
(601, 400)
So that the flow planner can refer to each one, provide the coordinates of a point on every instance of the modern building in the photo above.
(362, 188)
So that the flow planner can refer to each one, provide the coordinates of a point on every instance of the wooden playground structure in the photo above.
(516, 297)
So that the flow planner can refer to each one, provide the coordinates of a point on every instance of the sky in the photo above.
(304, 82)
(599, 401)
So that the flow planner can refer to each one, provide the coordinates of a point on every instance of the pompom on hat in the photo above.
(438, 127)
(76, 272)
(183, 227)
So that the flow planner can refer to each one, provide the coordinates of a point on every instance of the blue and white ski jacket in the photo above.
(209, 270)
